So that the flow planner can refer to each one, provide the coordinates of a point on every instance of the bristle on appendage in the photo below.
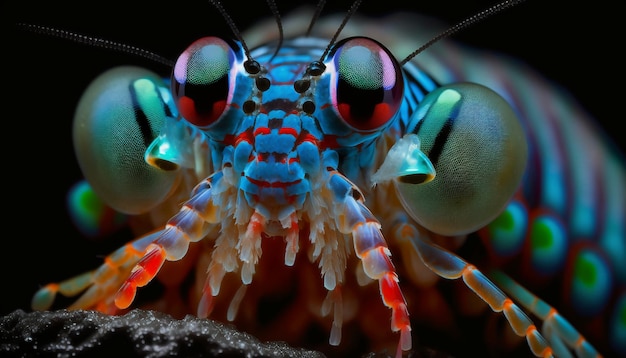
(235, 302)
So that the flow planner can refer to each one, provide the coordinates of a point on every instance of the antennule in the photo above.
(232, 26)
(316, 15)
(463, 24)
(355, 5)
(97, 42)
(272, 5)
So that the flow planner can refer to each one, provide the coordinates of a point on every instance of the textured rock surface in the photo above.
(138, 333)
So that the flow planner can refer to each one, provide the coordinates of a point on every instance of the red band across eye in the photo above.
(368, 85)
(200, 80)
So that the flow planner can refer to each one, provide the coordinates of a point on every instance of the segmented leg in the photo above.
(101, 283)
(559, 332)
(450, 266)
(190, 224)
(371, 248)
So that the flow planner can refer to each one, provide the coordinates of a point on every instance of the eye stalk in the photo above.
(201, 80)
(367, 85)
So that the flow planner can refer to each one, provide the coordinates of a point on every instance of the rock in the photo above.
(138, 333)
(141, 333)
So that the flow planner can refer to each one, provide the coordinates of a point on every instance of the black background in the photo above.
(576, 44)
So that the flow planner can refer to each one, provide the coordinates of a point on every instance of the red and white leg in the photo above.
(98, 287)
(190, 224)
(371, 248)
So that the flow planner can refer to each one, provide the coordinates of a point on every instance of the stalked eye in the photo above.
(119, 115)
(200, 80)
(367, 88)
(478, 147)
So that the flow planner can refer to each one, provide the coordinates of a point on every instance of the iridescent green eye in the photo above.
(117, 118)
(478, 148)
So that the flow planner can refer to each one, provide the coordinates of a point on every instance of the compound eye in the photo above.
(200, 80)
(120, 113)
(367, 88)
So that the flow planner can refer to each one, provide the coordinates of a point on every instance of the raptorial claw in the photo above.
(188, 225)
(97, 287)
(145, 270)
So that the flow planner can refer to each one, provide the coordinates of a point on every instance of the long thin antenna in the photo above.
(463, 24)
(355, 5)
(97, 42)
(316, 15)
(272, 5)
(232, 26)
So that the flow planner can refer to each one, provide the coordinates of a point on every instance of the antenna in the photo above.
(272, 5)
(97, 42)
(355, 5)
(464, 24)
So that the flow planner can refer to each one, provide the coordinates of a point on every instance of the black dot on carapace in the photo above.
(249, 107)
(308, 107)
(262, 83)
(316, 68)
(252, 67)
(301, 85)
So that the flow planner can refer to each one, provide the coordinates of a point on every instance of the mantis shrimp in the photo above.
(282, 183)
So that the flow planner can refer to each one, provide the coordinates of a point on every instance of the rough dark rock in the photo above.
(138, 333)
